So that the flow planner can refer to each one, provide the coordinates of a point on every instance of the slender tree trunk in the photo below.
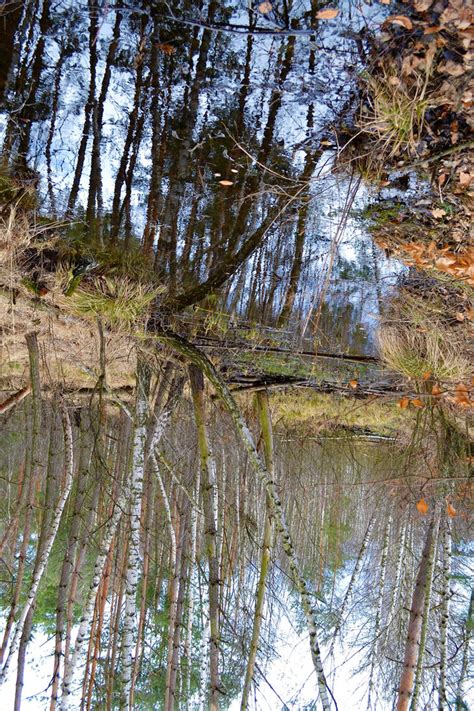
(134, 496)
(415, 624)
(56, 517)
(468, 627)
(353, 580)
(426, 612)
(9, 21)
(378, 614)
(210, 517)
(268, 534)
(88, 109)
(203, 363)
(444, 612)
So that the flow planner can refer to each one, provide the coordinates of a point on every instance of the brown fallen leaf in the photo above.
(465, 179)
(436, 390)
(403, 402)
(328, 14)
(451, 511)
(422, 5)
(265, 7)
(452, 68)
(402, 20)
(438, 212)
(427, 375)
(462, 394)
(422, 506)
(417, 402)
(432, 30)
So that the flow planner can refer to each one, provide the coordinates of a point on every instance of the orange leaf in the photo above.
(417, 402)
(328, 14)
(436, 391)
(354, 384)
(167, 48)
(427, 375)
(403, 403)
(462, 394)
(401, 20)
(422, 507)
(451, 510)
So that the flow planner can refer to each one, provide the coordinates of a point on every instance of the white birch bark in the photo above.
(378, 614)
(352, 582)
(243, 432)
(426, 611)
(444, 611)
(463, 676)
(132, 571)
(190, 611)
(85, 623)
(56, 518)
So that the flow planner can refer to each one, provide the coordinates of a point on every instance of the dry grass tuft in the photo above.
(119, 301)
(418, 341)
(395, 110)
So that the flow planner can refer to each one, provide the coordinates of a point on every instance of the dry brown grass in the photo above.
(418, 340)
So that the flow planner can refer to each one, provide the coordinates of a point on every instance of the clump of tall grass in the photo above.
(417, 341)
(394, 112)
(119, 301)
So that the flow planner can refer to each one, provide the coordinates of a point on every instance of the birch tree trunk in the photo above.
(268, 534)
(460, 691)
(190, 606)
(352, 582)
(203, 363)
(445, 598)
(426, 612)
(134, 496)
(210, 516)
(414, 625)
(56, 518)
(378, 615)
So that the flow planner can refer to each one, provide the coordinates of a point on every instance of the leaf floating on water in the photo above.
(328, 14)
(226, 183)
(167, 48)
(422, 507)
(403, 403)
(401, 20)
(265, 7)
(451, 510)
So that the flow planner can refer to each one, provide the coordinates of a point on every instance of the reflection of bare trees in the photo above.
(160, 555)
